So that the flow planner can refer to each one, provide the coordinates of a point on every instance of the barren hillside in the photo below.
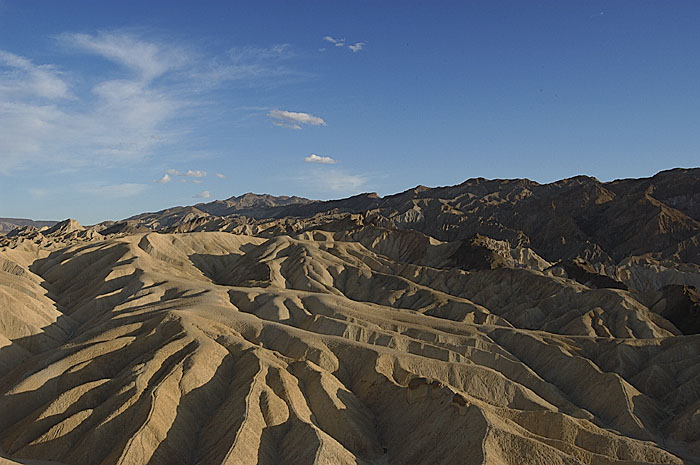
(494, 322)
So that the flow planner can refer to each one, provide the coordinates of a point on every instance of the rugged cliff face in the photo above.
(489, 322)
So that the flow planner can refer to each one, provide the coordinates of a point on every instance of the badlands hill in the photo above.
(492, 322)
(8, 224)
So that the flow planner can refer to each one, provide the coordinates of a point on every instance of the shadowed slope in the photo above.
(209, 348)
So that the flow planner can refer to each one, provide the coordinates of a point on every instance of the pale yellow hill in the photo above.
(324, 348)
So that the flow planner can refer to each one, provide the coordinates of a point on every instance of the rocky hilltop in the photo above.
(494, 322)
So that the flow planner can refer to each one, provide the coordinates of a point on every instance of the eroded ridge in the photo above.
(216, 348)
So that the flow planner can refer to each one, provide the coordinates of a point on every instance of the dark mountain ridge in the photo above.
(579, 217)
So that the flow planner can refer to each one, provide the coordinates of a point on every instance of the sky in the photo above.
(109, 109)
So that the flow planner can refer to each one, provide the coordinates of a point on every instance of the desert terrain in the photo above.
(490, 322)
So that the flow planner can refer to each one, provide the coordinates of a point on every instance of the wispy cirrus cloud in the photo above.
(23, 77)
(336, 42)
(188, 173)
(293, 119)
(254, 66)
(43, 118)
(147, 59)
(356, 47)
(136, 104)
(313, 158)
(249, 54)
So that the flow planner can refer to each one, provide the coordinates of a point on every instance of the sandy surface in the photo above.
(215, 348)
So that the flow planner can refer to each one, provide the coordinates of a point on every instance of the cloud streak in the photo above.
(193, 176)
(313, 158)
(356, 47)
(147, 59)
(43, 121)
(294, 120)
(164, 180)
(253, 66)
(188, 173)
(336, 42)
(138, 101)
(23, 78)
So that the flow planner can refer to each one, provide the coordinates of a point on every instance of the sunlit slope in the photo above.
(215, 348)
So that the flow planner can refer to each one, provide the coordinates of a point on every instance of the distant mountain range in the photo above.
(579, 217)
(8, 224)
(252, 205)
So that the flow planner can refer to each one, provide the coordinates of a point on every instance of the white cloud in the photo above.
(357, 46)
(129, 105)
(165, 179)
(148, 59)
(195, 173)
(336, 42)
(116, 120)
(203, 195)
(220, 175)
(313, 158)
(253, 54)
(284, 124)
(252, 65)
(187, 174)
(294, 120)
(23, 78)
(134, 108)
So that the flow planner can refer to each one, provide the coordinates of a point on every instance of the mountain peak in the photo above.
(64, 227)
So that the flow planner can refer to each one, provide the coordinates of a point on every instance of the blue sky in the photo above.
(108, 109)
